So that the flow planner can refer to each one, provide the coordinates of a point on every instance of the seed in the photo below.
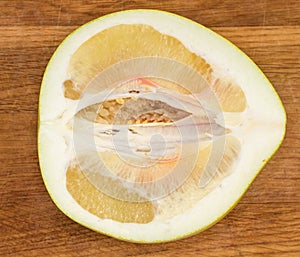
(106, 104)
(112, 109)
(109, 120)
(111, 117)
(72, 94)
(104, 112)
(120, 100)
(160, 119)
(101, 120)
(68, 84)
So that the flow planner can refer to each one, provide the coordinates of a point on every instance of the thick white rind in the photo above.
(259, 144)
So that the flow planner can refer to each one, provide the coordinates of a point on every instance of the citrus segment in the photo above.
(209, 161)
(102, 205)
(127, 169)
(123, 42)
(230, 96)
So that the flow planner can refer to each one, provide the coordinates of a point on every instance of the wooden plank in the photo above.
(210, 13)
(265, 223)
(247, 230)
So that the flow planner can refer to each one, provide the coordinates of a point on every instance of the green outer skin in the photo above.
(224, 214)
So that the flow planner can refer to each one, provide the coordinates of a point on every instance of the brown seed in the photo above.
(104, 112)
(148, 116)
(106, 104)
(68, 84)
(101, 120)
(109, 120)
(160, 119)
(111, 116)
(112, 109)
(72, 94)
(120, 100)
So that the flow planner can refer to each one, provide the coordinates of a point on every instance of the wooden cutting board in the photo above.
(267, 220)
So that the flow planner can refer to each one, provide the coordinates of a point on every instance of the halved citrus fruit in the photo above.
(151, 126)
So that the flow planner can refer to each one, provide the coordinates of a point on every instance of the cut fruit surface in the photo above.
(104, 206)
(123, 42)
(151, 127)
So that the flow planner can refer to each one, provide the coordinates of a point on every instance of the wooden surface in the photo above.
(265, 223)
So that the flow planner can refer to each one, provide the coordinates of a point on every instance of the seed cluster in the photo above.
(152, 117)
(108, 109)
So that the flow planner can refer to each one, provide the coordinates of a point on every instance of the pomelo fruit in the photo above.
(152, 127)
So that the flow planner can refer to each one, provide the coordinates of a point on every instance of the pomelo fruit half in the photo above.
(152, 127)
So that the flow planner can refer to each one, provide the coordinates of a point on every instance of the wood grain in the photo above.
(210, 13)
(267, 220)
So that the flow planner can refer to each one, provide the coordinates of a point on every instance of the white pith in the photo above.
(264, 126)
